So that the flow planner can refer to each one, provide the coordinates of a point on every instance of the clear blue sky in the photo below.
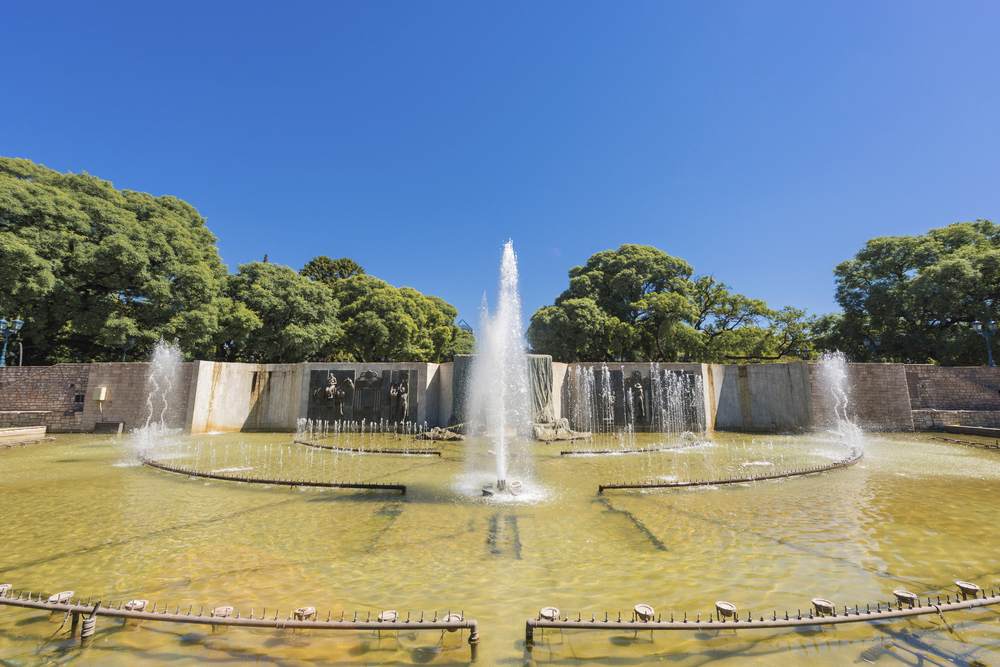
(763, 142)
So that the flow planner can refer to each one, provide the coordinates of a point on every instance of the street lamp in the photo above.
(991, 328)
(8, 329)
(872, 346)
(127, 346)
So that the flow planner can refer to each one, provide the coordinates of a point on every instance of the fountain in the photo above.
(336, 570)
(499, 401)
(162, 420)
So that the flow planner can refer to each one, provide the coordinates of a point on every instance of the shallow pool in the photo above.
(80, 514)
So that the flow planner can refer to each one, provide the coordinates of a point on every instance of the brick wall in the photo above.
(953, 388)
(57, 422)
(47, 388)
(877, 397)
(127, 393)
(61, 396)
(926, 420)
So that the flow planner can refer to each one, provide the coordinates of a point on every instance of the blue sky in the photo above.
(762, 142)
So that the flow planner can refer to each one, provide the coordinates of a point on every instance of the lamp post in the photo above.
(8, 329)
(872, 346)
(127, 346)
(990, 329)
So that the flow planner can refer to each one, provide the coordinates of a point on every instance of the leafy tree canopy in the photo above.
(326, 270)
(917, 295)
(87, 266)
(382, 322)
(290, 318)
(638, 303)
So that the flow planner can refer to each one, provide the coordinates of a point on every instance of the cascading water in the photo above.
(833, 378)
(162, 418)
(499, 399)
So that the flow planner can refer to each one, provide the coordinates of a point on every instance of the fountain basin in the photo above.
(143, 534)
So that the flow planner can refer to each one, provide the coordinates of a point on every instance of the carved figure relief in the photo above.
(332, 393)
(637, 384)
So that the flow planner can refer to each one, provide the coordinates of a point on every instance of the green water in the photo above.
(917, 513)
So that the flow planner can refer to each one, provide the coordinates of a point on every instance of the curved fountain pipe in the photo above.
(857, 456)
(276, 482)
(401, 452)
(669, 448)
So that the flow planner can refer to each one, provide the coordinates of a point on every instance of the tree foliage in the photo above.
(87, 266)
(918, 294)
(325, 270)
(383, 323)
(638, 303)
(297, 316)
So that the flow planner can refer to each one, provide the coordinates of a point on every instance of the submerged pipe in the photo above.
(733, 480)
(280, 482)
(401, 452)
(630, 451)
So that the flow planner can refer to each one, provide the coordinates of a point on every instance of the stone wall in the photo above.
(929, 420)
(51, 396)
(210, 396)
(50, 388)
(878, 398)
(943, 388)
(127, 393)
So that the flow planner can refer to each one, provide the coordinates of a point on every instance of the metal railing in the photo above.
(849, 461)
(304, 618)
(718, 621)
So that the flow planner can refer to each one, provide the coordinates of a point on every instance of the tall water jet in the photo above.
(833, 378)
(499, 399)
(162, 410)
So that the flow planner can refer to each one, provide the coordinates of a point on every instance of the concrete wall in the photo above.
(446, 398)
(762, 397)
(211, 396)
(243, 397)
(559, 372)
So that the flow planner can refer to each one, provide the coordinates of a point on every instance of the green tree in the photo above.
(326, 270)
(87, 266)
(639, 291)
(918, 294)
(383, 323)
(575, 330)
(640, 304)
(277, 316)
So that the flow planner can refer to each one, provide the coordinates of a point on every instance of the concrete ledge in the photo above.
(932, 420)
(973, 430)
(18, 434)
(109, 428)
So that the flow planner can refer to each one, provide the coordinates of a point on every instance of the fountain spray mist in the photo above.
(833, 375)
(162, 410)
(499, 399)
